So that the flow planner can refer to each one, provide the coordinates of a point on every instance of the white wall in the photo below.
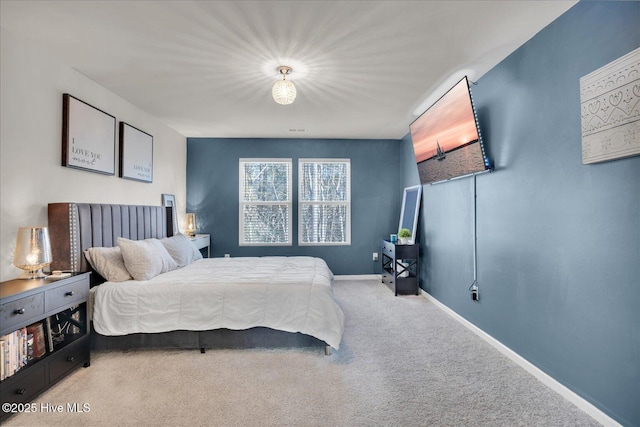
(31, 88)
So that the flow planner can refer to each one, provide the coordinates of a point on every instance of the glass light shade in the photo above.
(191, 224)
(283, 92)
(33, 251)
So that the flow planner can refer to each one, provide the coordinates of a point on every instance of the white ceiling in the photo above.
(363, 69)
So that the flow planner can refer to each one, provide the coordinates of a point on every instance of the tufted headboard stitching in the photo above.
(75, 227)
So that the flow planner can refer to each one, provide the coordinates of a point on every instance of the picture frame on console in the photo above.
(411, 199)
(88, 137)
(169, 201)
(136, 154)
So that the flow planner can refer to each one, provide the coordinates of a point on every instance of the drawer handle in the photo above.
(68, 294)
(21, 391)
(71, 359)
(19, 311)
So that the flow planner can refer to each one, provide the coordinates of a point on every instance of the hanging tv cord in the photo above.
(475, 295)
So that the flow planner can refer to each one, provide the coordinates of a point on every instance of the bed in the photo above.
(205, 303)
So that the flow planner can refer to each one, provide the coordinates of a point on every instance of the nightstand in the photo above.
(202, 241)
(56, 311)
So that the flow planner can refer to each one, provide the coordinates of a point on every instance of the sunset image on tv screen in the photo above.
(445, 138)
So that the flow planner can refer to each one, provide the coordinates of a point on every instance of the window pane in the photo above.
(324, 182)
(323, 223)
(266, 181)
(266, 223)
(265, 201)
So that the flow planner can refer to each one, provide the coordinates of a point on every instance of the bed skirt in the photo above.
(258, 337)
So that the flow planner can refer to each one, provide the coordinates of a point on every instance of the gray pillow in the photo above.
(181, 249)
(108, 263)
(145, 259)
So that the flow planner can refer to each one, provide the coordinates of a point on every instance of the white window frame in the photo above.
(242, 203)
(346, 203)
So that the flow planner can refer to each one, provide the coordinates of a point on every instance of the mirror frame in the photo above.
(411, 200)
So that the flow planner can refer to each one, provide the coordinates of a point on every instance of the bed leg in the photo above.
(202, 350)
(327, 350)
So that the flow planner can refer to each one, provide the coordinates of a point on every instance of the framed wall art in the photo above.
(88, 137)
(610, 110)
(136, 154)
(169, 201)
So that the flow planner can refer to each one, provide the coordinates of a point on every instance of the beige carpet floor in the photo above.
(402, 362)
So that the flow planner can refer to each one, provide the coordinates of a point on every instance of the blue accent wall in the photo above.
(558, 242)
(376, 194)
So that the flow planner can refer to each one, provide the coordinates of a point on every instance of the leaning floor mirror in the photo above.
(410, 211)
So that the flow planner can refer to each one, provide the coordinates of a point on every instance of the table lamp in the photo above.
(33, 251)
(191, 224)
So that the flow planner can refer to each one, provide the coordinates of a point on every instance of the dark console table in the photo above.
(400, 267)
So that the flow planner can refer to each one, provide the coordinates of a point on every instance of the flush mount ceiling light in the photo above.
(283, 91)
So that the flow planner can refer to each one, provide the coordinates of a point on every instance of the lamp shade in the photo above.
(191, 224)
(33, 251)
(284, 92)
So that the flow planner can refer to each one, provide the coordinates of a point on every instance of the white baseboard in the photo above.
(543, 377)
(357, 277)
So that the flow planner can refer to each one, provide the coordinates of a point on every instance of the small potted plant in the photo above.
(403, 235)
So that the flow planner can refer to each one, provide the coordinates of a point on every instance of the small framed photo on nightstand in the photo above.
(169, 201)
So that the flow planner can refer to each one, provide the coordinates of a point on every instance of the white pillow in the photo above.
(181, 249)
(145, 259)
(108, 263)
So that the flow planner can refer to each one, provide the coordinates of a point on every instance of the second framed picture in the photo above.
(136, 154)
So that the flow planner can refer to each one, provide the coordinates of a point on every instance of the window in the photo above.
(324, 205)
(265, 202)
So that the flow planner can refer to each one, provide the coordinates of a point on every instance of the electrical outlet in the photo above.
(227, 256)
(375, 256)
(475, 296)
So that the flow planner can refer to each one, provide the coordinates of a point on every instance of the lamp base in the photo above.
(32, 274)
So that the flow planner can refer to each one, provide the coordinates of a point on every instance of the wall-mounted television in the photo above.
(446, 138)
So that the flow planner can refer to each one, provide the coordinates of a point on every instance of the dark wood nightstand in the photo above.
(60, 306)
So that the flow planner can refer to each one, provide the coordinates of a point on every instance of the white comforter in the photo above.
(291, 294)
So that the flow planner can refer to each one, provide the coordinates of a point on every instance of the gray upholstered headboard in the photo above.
(75, 227)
